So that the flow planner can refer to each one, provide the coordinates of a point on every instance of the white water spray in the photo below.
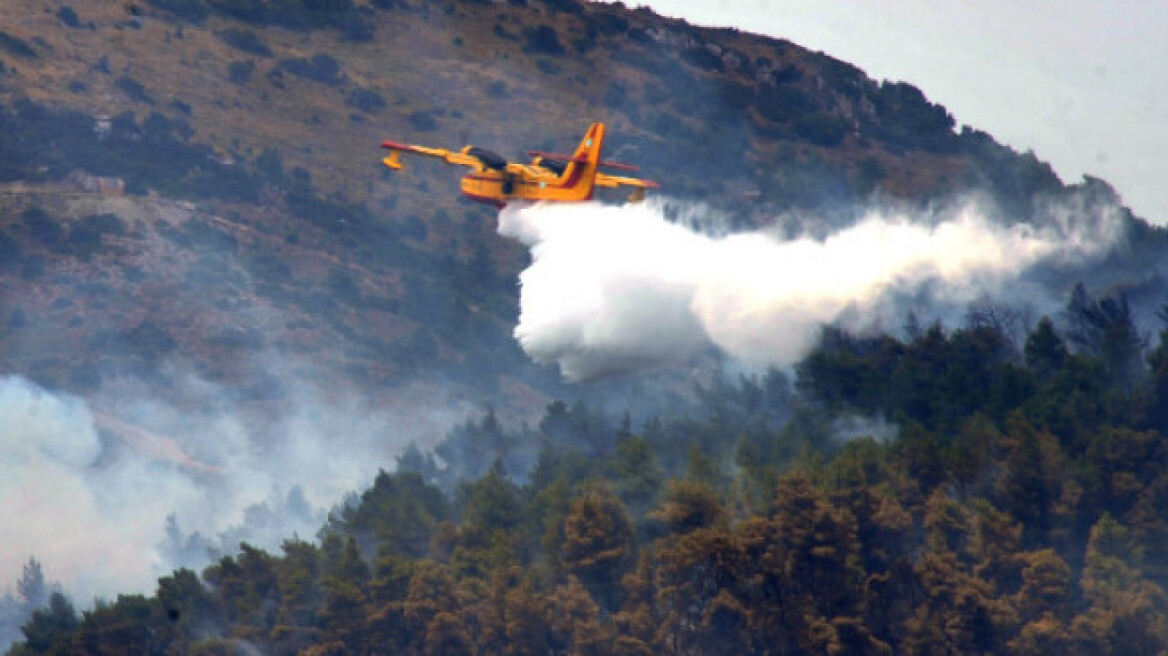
(614, 289)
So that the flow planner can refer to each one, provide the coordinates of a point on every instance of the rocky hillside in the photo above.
(194, 185)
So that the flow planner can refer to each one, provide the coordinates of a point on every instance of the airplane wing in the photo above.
(560, 157)
(393, 160)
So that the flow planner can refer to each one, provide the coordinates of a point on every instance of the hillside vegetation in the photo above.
(1020, 511)
(191, 190)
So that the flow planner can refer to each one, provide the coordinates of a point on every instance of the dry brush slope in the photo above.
(366, 274)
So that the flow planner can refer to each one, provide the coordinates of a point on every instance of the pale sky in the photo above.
(1082, 83)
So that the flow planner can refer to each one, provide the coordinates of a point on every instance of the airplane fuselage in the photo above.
(520, 182)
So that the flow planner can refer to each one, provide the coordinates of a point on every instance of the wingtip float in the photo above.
(548, 177)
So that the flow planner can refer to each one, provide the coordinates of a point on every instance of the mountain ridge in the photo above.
(266, 116)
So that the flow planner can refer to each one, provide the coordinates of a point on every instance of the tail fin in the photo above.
(580, 173)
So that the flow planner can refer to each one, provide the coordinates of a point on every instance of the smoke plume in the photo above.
(615, 289)
(110, 498)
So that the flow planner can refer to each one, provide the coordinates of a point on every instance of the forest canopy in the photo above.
(1021, 509)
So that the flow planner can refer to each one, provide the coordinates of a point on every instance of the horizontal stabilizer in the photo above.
(605, 180)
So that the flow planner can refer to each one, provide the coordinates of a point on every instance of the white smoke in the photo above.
(614, 289)
(97, 500)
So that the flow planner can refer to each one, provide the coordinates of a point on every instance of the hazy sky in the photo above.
(1082, 83)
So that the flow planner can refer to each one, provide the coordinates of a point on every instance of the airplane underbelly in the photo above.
(484, 190)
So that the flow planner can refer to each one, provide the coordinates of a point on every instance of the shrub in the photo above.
(423, 121)
(306, 15)
(240, 72)
(703, 58)
(917, 123)
(821, 129)
(158, 128)
(321, 68)
(69, 17)
(342, 286)
(869, 173)
(503, 33)
(41, 226)
(16, 46)
(123, 125)
(366, 100)
(565, 6)
(542, 40)
(584, 43)
(133, 89)
(249, 11)
(244, 40)
(606, 23)
(85, 235)
(786, 75)
(785, 104)
(148, 340)
(9, 250)
(40, 143)
(269, 167)
(189, 10)
(497, 89)
(105, 223)
(355, 27)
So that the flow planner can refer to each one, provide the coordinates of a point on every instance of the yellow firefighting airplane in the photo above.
(551, 177)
